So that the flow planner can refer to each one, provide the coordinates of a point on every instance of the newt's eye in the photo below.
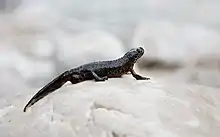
(138, 50)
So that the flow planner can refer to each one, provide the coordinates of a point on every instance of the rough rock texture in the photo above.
(117, 107)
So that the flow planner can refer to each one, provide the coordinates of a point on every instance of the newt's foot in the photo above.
(105, 78)
(101, 78)
(144, 78)
(138, 77)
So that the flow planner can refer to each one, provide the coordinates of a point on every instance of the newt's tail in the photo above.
(49, 88)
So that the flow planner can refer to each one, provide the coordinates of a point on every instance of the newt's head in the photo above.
(134, 54)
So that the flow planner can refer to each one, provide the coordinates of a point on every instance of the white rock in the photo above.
(123, 106)
(201, 76)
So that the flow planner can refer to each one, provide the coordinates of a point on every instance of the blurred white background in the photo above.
(41, 38)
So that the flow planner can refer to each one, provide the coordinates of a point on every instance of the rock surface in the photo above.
(116, 108)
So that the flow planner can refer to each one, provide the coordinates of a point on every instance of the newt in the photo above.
(97, 71)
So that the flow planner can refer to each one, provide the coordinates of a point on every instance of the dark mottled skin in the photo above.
(98, 71)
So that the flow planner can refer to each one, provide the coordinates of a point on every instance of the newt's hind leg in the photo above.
(76, 78)
(98, 78)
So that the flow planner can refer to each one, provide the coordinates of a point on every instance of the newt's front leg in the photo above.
(138, 77)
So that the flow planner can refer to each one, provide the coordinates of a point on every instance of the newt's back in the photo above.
(107, 68)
